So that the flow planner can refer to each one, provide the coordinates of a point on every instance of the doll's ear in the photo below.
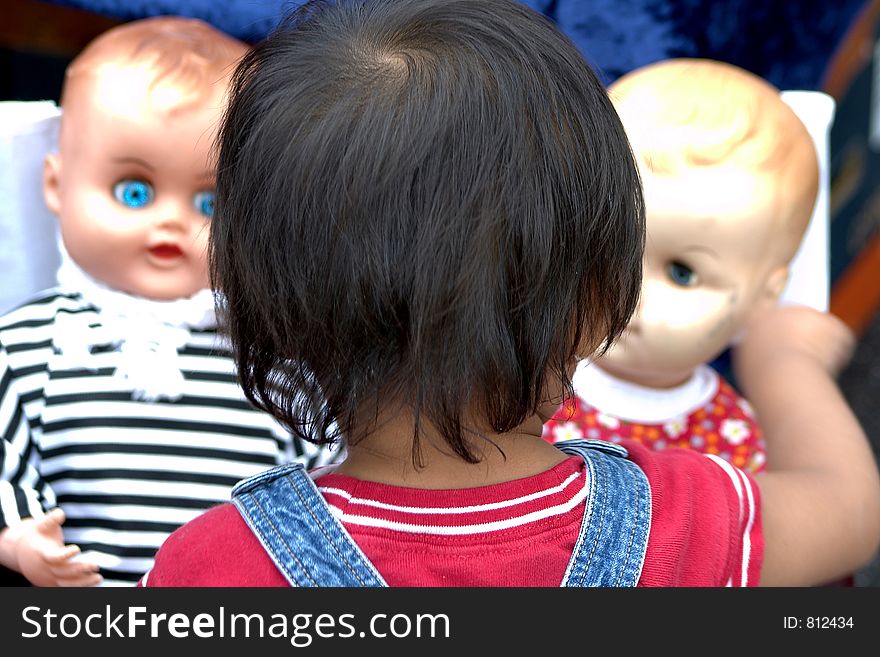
(776, 282)
(52, 182)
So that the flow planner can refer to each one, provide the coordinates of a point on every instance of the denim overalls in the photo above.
(310, 547)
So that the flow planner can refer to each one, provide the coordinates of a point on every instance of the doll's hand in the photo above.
(786, 332)
(43, 558)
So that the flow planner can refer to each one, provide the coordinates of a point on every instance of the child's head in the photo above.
(421, 205)
(730, 176)
(132, 183)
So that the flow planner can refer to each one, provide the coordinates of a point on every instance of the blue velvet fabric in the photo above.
(787, 42)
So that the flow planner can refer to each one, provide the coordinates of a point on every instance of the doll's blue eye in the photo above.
(681, 274)
(133, 194)
(204, 203)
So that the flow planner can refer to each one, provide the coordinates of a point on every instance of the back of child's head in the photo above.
(420, 203)
(682, 114)
(179, 59)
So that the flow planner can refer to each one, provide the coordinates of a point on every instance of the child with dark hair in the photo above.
(425, 210)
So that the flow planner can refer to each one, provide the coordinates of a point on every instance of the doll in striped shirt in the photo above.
(120, 412)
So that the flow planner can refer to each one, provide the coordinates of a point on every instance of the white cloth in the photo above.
(28, 257)
(147, 331)
(640, 404)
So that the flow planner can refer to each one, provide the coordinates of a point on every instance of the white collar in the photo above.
(635, 403)
(147, 332)
(196, 311)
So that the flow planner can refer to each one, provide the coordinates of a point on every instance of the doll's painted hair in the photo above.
(185, 52)
(420, 202)
(685, 113)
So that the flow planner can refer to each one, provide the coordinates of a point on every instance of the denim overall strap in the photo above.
(290, 517)
(610, 549)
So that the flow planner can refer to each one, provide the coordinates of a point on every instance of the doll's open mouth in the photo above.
(166, 251)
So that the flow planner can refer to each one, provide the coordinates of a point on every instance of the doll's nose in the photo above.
(635, 325)
(170, 225)
(172, 220)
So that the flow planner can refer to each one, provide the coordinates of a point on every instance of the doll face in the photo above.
(133, 183)
(707, 265)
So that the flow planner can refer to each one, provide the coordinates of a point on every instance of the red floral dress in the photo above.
(725, 427)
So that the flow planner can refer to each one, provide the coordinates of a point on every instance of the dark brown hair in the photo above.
(425, 202)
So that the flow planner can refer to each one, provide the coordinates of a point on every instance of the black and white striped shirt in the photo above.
(126, 472)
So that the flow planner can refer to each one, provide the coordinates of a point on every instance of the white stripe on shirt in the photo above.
(452, 510)
(745, 502)
(458, 530)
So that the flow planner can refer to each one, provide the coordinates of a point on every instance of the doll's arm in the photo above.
(821, 491)
(35, 548)
(31, 541)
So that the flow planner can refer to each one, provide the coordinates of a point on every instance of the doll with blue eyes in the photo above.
(730, 177)
(121, 417)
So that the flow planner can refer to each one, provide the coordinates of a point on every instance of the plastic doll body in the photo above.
(730, 179)
(133, 209)
(122, 405)
(132, 183)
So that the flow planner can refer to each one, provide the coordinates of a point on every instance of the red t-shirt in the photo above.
(705, 530)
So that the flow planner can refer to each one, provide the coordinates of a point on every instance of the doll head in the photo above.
(730, 177)
(132, 183)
